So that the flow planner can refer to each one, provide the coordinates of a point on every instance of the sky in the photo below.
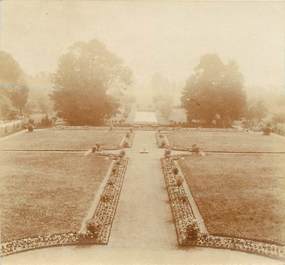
(166, 37)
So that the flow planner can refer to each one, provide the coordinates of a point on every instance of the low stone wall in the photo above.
(103, 215)
(184, 219)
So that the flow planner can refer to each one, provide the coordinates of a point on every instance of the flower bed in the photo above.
(103, 215)
(30, 243)
(187, 228)
(106, 208)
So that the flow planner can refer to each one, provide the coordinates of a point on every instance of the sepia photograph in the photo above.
(143, 132)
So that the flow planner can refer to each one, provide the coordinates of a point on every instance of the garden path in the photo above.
(143, 217)
(143, 231)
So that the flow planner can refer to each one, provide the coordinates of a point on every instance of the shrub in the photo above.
(111, 183)
(30, 127)
(163, 144)
(167, 153)
(192, 232)
(267, 130)
(179, 180)
(122, 153)
(175, 171)
(183, 198)
(126, 144)
(105, 198)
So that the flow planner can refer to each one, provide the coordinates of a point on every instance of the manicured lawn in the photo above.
(239, 195)
(45, 192)
(63, 139)
(227, 141)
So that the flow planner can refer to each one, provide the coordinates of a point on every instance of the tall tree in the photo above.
(84, 76)
(214, 92)
(12, 84)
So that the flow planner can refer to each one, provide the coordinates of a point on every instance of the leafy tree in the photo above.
(7, 111)
(256, 111)
(12, 83)
(214, 92)
(82, 82)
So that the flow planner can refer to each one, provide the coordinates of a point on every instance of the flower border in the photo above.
(184, 217)
(104, 214)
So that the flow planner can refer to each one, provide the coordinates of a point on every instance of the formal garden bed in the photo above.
(45, 197)
(261, 219)
(67, 139)
(221, 140)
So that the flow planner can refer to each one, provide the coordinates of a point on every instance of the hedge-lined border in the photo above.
(183, 217)
(104, 214)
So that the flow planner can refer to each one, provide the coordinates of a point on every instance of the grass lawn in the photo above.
(227, 141)
(46, 193)
(239, 195)
(66, 139)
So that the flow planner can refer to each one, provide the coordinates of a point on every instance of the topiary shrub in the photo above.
(162, 144)
(192, 232)
(167, 153)
(93, 227)
(179, 180)
(175, 171)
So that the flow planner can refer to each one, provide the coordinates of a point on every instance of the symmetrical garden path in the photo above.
(143, 217)
(143, 231)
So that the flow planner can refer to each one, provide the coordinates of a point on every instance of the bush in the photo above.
(175, 171)
(93, 227)
(192, 232)
(30, 128)
(267, 130)
(179, 180)
(122, 154)
(105, 198)
(163, 144)
(167, 153)
(126, 144)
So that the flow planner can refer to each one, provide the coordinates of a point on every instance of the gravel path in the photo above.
(143, 217)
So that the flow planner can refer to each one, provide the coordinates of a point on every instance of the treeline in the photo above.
(89, 86)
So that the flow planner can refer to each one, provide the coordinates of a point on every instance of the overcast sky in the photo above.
(166, 37)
